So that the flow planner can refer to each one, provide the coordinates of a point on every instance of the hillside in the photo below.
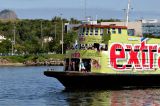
(8, 14)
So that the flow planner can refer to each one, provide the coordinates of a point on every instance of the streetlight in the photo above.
(124, 16)
(128, 10)
(85, 9)
(42, 33)
(55, 27)
(55, 30)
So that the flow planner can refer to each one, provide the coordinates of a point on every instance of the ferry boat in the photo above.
(105, 56)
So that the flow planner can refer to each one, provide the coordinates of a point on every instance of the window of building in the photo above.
(131, 32)
(87, 31)
(96, 31)
(91, 31)
(102, 30)
(113, 31)
(119, 31)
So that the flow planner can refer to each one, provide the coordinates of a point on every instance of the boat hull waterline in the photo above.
(82, 80)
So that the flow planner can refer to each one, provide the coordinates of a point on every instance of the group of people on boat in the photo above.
(77, 65)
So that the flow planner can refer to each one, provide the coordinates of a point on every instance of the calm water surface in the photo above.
(27, 86)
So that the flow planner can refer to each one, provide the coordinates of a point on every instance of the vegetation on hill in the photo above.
(30, 35)
(35, 39)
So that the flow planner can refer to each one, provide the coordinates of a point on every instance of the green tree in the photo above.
(5, 46)
(69, 39)
(106, 37)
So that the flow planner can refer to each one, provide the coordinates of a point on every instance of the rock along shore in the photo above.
(49, 62)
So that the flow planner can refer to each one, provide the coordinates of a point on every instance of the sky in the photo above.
(75, 8)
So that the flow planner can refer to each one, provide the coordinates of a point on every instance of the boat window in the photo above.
(119, 31)
(74, 64)
(96, 45)
(83, 30)
(66, 64)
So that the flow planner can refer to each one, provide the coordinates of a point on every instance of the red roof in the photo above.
(103, 26)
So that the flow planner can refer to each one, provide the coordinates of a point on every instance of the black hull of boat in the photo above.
(78, 80)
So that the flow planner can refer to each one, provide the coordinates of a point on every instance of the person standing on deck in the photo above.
(73, 64)
(81, 67)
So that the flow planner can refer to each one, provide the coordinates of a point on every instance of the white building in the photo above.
(47, 39)
(2, 38)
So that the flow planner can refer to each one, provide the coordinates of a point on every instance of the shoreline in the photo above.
(5, 62)
(22, 64)
(13, 64)
(32, 60)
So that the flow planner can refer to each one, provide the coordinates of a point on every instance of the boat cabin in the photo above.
(92, 45)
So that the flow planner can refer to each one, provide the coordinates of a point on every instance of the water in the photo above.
(27, 86)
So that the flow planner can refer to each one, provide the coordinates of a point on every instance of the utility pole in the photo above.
(62, 34)
(12, 48)
(124, 11)
(41, 34)
(14, 40)
(127, 13)
(55, 31)
(85, 8)
(55, 27)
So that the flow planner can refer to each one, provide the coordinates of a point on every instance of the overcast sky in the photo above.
(150, 6)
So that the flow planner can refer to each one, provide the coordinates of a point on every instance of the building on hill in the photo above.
(134, 28)
(151, 27)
